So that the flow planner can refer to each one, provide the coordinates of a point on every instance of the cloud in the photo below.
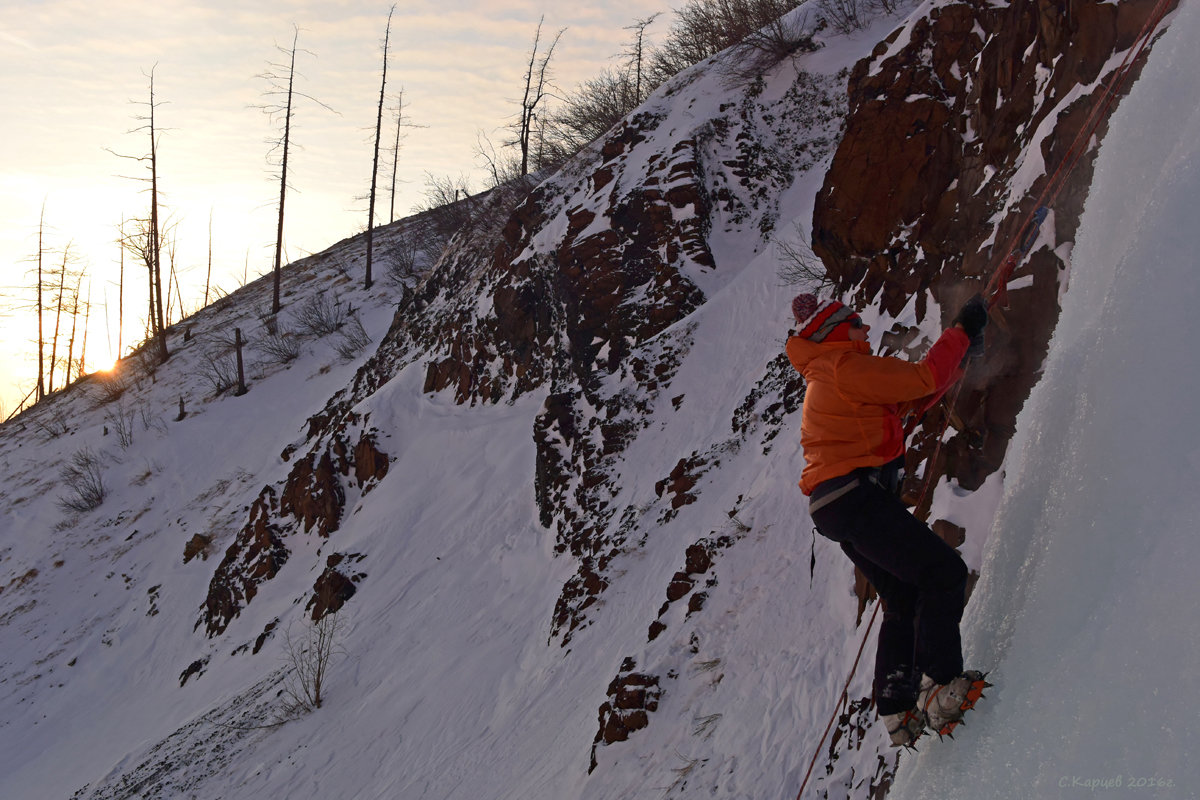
(72, 73)
(5, 36)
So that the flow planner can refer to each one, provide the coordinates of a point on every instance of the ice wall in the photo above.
(1086, 613)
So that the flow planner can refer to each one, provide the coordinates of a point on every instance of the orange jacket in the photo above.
(853, 400)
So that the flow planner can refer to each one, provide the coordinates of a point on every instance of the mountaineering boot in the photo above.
(945, 704)
(905, 727)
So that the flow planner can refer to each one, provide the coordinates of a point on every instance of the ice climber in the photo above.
(852, 433)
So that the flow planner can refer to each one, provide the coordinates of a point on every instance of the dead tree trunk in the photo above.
(208, 274)
(283, 168)
(58, 310)
(375, 158)
(121, 294)
(237, 344)
(156, 245)
(146, 241)
(41, 384)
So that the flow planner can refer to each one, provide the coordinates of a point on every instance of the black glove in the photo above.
(974, 319)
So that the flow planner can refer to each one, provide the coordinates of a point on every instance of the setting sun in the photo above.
(105, 365)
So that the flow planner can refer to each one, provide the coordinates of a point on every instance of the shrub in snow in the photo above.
(320, 315)
(120, 419)
(799, 266)
(851, 15)
(401, 260)
(279, 347)
(703, 28)
(352, 338)
(54, 424)
(109, 386)
(143, 363)
(84, 479)
(308, 656)
(219, 371)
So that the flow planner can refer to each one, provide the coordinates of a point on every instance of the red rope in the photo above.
(996, 291)
(841, 700)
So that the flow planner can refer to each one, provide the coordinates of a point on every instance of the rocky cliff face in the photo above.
(583, 293)
(950, 114)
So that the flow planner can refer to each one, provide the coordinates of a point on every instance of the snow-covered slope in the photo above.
(457, 679)
(1085, 611)
(97, 608)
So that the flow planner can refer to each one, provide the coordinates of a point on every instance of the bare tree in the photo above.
(503, 168)
(636, 55)
(174, 281)
(157, 312)
(65, 275)
(42, 276)
(529, 128)
(309, 657)
(150, 248)
(145, 240)
(41, 254)
(599, 103)
(592, 110)
(401, 123)
(375, 158)
(121, 289)
(798, 265)
(75, 301)
(81, 367)
(396, 153)
(62, 279)
(208, 273)
(537, 87)
(281, 91)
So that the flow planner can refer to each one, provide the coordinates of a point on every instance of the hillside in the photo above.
(552, 504)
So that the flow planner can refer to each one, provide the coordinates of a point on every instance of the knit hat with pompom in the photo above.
(822, 320)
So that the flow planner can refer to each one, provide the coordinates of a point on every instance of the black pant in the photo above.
(921, 579)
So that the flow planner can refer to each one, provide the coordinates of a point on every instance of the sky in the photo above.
(74, 80)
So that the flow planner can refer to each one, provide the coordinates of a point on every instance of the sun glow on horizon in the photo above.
(106, 364)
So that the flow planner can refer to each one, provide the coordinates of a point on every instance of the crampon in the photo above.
(945, 723)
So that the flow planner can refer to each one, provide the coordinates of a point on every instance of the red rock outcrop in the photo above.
(633, 696)
(256, 555)
(334, 586)
(312, 497)
(942, 117)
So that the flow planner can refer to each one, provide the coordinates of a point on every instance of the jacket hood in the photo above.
(803, 351)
